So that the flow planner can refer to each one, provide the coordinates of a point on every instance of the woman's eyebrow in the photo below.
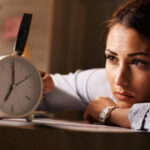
(111, 52)
(139, 53)
(130, 55)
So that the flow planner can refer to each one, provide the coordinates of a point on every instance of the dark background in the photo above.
(77, 41)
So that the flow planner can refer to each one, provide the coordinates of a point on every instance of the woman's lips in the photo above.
(123, 95)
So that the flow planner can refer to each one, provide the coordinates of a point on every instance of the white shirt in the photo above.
(75, 91)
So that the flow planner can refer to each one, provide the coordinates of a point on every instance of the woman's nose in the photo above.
(121, 77)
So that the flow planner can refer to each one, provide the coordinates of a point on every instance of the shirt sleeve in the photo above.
(64, 96)
(75, 91)
(139, 116)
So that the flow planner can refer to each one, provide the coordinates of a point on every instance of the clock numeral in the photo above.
(28, 98)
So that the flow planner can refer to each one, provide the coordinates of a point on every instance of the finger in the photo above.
(89, 118)
(47, 89)
(47, 80)
(42, 73)
(86, 114)
(48, 85)
(46, 76)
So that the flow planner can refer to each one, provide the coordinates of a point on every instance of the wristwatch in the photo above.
(105, 114)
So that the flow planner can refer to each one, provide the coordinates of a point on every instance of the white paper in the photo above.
(63, 124)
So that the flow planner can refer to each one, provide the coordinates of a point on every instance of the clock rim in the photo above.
(4, 114)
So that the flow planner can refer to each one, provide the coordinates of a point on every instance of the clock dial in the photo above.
(20, 89)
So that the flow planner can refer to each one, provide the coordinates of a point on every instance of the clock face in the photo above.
(20, 86)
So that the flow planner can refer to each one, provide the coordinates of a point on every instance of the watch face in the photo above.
(104, 113)
(20, 86)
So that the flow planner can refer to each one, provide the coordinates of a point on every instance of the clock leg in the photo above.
(30, 117)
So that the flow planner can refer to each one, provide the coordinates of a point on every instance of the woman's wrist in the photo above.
(119, 116)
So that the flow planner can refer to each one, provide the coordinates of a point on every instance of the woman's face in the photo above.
(128, 65)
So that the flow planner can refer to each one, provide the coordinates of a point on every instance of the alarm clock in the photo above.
(21, 87)
(20, 83)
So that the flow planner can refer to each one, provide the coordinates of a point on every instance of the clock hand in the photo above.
(23, 80)
(12, 84)
(9, 92)
(13, 73)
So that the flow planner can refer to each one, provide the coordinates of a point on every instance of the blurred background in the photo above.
(65, 35)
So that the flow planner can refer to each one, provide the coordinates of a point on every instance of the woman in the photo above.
(123, 92)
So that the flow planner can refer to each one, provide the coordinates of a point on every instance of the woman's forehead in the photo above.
(127, 39)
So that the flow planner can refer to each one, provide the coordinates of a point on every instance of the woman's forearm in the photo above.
(119, 117)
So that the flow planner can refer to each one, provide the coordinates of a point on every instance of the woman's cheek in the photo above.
(141, 85)
(110, 73)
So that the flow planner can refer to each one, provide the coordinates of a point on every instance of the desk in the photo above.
(53, 138)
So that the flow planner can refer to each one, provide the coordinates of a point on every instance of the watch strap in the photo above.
(105, 114)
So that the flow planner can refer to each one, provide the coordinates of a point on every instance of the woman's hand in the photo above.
(95, 107)
(119, 116)
(48, 83)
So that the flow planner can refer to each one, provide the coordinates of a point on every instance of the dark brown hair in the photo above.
(133, 14)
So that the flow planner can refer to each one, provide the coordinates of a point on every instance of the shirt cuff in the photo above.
(138, 116)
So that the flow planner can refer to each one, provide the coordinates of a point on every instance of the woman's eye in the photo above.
(111, 58)
(139, 63)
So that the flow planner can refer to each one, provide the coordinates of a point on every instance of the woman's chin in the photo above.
(123, 104)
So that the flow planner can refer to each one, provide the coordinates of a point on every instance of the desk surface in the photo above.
(57, 134)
